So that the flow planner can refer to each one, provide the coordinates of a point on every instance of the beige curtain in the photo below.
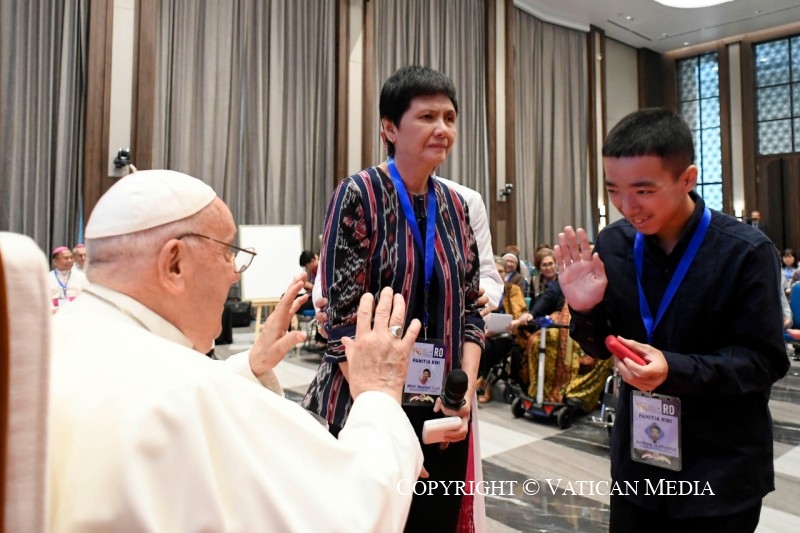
(43, 56)
(245, 101)
(551, 99)
(449, 36)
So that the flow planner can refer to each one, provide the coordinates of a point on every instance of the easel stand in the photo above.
(265, 307)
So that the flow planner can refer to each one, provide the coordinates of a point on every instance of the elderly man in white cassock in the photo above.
(148, 434)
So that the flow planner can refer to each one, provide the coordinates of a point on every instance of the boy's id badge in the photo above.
(425, 378)
(656, 430)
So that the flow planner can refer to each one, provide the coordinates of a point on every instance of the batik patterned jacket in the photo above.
(367, 245)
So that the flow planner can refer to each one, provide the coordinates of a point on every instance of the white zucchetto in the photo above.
(146, 199)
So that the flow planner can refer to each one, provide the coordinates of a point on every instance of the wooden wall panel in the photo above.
(749, 148)
(370, 118)
(725, 128)
(508, 211)
(144, 84)
(652, 76)
(98, 90)
(342, 73)
(491, 120)
(597, 74)
(778, 187)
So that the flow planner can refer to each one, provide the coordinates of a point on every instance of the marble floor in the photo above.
(532, 451)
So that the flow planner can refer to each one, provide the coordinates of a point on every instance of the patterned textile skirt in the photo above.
(569, 372)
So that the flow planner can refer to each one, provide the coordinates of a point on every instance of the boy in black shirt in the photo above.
(695, 292)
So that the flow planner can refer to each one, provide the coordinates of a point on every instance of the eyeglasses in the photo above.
(240, 257)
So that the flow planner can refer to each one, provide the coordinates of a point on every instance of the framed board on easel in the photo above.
(265, 281)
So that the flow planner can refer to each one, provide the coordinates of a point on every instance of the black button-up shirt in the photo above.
(722, 338)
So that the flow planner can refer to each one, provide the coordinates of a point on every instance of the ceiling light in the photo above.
(691, 4)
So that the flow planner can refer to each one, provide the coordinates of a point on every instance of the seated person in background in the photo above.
(148, 434)
(789, 259)
(545, 262)
(794, 335)
(571, 375)
(498, 346)
(524, 269)
(534, 270)
(790, 334)
(65, 282)
(549, 302)
(582, 377)
(310, 263)
(795, 279)
(511, 270)
(787, 311)
(79, 251)
(755, 221)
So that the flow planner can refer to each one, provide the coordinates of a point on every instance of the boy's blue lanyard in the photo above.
(62, 285)
(677, 276)
(426, 248)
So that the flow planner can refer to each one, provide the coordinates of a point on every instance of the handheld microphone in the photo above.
(455, 388)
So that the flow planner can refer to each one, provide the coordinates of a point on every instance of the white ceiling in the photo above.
(647, 24)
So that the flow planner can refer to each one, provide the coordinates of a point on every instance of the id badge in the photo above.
(656, 430)
(426, 369)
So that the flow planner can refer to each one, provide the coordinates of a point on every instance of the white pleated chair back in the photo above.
(25, 317)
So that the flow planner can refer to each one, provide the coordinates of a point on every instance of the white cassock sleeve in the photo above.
(269, 466)
(240, 364)
(149, 435)
(360, 440)
(222, 454)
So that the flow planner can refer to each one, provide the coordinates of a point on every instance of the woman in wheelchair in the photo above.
(498, 346)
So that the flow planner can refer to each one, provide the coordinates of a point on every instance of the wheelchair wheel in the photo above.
(508, 393)
(609, 421)
(517, 409)
(563, 417)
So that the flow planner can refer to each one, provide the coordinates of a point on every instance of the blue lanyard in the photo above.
(426, 248)
(62, 285)
(677, 276)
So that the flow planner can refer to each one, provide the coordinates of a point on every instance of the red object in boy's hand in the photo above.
(616, 347)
